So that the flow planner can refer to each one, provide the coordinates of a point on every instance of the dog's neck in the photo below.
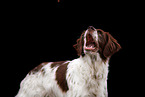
(93, 58)
(95, 72)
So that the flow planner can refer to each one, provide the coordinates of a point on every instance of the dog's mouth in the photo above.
(91, 45)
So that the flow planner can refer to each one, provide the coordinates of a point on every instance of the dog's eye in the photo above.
(99, 35)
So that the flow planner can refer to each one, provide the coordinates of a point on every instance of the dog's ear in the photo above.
(79, 45)
(111, 46)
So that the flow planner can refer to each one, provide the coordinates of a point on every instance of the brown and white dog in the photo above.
(85, 76)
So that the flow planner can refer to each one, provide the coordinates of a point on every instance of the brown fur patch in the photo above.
(38, 68)
(54, 64)
(111, 47)
(79, 45)
(107, 44)
(61, 77)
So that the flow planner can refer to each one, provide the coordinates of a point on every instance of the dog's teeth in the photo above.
(90, 46)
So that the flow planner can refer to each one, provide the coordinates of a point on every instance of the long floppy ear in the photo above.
(79, 45)
(111, 46)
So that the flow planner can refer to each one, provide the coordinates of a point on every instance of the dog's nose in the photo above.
(91, 28)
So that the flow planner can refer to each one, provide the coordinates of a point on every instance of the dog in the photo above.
(85, 76)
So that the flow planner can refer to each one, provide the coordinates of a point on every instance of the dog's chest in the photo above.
(91, 78)
(96, 74)
(97, 81)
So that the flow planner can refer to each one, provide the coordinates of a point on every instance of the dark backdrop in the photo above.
(37, 32)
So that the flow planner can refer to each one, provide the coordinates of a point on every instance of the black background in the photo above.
(36, 32)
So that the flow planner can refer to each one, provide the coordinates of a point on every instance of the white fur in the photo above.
(84, 79)
(85, 76)
(81, 80)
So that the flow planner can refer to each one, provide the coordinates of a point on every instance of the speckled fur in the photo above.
(84, 79)
(85, 76)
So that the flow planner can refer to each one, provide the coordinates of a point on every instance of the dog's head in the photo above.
(94, 41)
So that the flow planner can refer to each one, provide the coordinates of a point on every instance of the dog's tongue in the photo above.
(89, 48)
